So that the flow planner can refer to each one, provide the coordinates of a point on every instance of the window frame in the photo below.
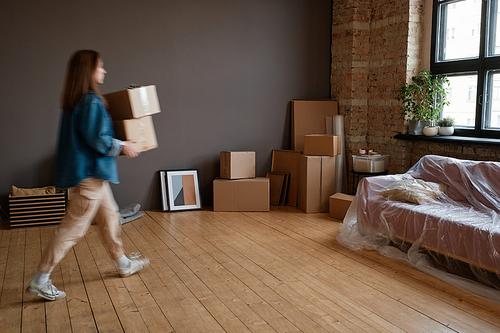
(481, 65)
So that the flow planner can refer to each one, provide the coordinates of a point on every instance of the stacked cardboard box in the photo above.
(238, 189)
(316, 149)
(131, 111)
(237, 164)
(310, 117)
(316, 183)
(317, 172)
(322, 145)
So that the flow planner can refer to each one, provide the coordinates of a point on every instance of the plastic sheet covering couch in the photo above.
(442, 217)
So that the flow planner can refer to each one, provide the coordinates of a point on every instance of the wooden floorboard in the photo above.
(278, 271)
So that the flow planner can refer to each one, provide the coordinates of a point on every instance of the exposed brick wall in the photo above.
(350, 69)
(376, 45)
(388, 68)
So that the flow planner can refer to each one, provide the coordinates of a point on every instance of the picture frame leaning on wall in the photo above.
(180, 190)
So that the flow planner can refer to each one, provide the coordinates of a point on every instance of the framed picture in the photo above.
(180, 190)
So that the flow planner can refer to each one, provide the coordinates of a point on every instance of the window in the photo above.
(466, 48)
(471, 95)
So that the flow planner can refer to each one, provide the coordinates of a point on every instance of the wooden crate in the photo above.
(37, 210)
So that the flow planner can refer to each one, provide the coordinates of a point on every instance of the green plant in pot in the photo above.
(446, 126)
(423, 100)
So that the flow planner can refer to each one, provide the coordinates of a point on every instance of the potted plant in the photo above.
(423, 99)
(446, 126)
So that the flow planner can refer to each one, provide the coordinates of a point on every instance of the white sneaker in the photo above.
(48, 291)
(137, 262)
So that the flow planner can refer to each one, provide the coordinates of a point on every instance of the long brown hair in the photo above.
(79, 78)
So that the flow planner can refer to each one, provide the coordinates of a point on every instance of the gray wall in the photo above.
(225, 73)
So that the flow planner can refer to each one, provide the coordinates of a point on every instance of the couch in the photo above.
(456, 217)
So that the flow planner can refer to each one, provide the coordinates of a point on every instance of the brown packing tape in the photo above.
(141, 139)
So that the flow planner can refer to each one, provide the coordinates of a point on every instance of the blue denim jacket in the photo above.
(87, 147)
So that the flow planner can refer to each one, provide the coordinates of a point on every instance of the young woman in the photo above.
(85, 164)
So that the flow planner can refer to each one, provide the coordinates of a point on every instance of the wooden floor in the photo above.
(281, 271)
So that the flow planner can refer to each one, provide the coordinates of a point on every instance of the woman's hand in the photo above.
(129, 150)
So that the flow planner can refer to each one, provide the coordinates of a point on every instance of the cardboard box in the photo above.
(309, 117)
(322, 145)
(133, 103)
(316, 183)
(241, 195)
(36, 210)
(140, 129)
(370, 164)
(339, 204)
(287, 161)
(237, 164)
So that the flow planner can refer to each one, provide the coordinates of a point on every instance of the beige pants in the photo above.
(91, 200)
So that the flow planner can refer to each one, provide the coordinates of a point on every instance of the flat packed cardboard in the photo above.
(287, 161)
(141, 130)
(316, 183)
(339, 204)
(237, 164)
(284, 191)
(133, 103)
(322, 145)
(309, 117)
(241, 195)
(278, 186)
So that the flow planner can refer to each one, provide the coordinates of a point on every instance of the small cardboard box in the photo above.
(237, 164)
(133, 103)
(322, 145)
(241, 195)
(316, 183)
(140, 129)
(339, 204)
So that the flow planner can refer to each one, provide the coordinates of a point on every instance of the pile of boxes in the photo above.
(131, 111)
(238, 189)
(303, 176)
(317, 172)
(316, 149)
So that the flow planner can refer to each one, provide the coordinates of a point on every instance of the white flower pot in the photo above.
(431, 131)
(446, 131)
